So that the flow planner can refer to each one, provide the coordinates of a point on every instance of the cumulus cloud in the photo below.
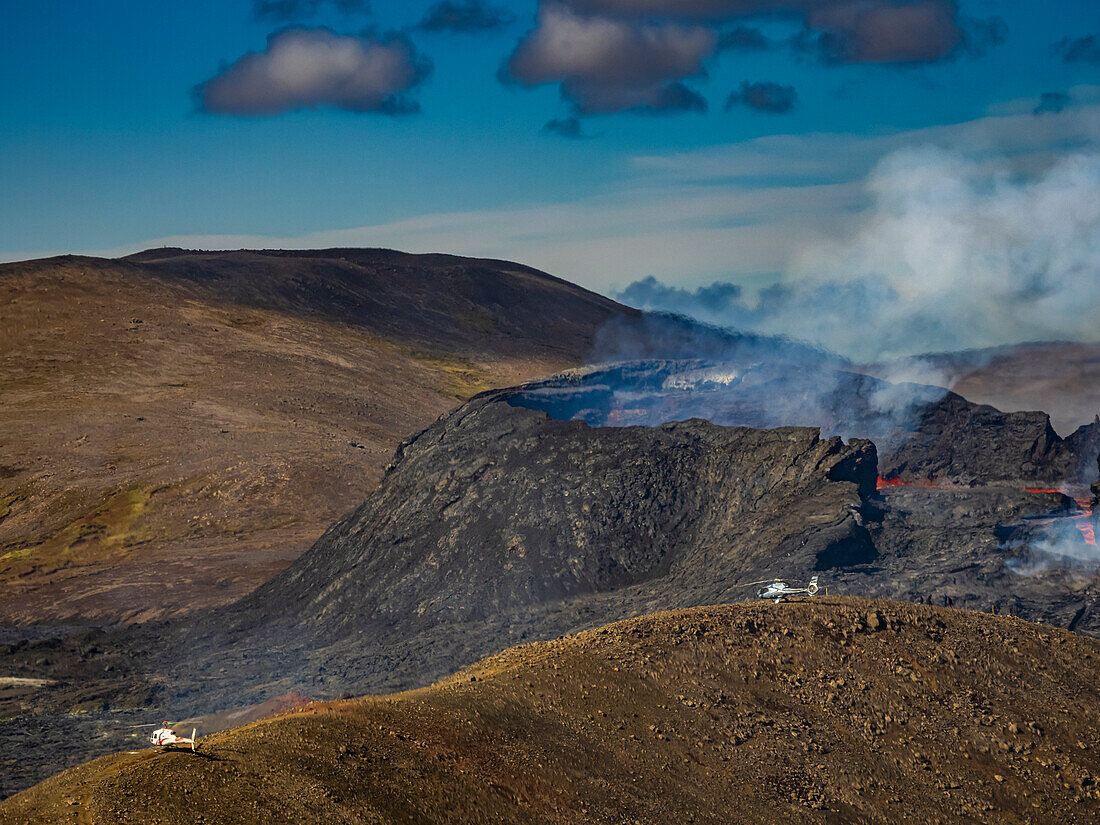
(606, 65)
(955, 252)
(465, 16)
(1079, 50)
(706, 10)
(847, 31)
(885, 32)
(286, 10)
(764, 97)
(308, 68)
(615, 55)
(1051, 103)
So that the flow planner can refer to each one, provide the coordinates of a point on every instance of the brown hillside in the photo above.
(838, 710)
(1061, 378)
(175, 427)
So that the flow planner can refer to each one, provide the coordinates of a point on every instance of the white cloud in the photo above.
(609, 65)
(307, 68)
(961, 254)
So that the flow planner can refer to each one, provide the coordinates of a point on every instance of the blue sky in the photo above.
(129, 123)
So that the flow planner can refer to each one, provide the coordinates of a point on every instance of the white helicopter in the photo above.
(778, 589)
(165, 737)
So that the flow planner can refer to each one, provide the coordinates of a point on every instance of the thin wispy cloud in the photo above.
(288, 10)
(745, 213)
(465, 16)
(765, 96)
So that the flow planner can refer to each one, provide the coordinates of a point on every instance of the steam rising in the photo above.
(1065, 543)
(955, 252)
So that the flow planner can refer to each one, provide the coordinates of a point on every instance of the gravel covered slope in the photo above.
(837, 710)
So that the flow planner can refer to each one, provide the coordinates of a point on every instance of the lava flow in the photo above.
(1083, 518)
(885, 483)
(1084, 521)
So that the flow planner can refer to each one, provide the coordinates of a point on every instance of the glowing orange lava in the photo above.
(1088, 532)
(884, 483)
(1083, 518)
(1083, 521)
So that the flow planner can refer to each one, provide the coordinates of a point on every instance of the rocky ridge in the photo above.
(921, 432)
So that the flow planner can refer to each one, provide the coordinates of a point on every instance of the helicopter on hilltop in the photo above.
(165, 737)
(778, 589)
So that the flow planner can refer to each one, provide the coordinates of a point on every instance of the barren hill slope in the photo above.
(827, 711)
(494, 525)
(176, 426)
(1062, 378)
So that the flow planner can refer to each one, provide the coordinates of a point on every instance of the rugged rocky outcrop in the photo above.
(495, 525)
(1061, 378)
(922, 432)
(959, 440)
(499, 523)
(1096, 484)
(496, 507)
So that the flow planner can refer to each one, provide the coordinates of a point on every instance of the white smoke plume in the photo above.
(1065, 544)
(955, 251)
(970, 255)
